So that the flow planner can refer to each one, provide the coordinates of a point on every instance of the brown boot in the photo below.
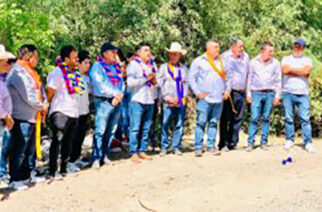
(135, 158)
(144, 156)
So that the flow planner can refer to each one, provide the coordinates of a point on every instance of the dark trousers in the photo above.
(230, 122)
(63, 128)
(80, 133)
(21, 150)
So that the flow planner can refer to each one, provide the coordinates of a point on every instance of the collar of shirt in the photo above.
(270, 61)
(230, 54)
(203, 56)
(299, 57)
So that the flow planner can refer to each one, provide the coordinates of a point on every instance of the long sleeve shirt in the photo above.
(264, 76)
(101, 84)
(24, 95)
(203, 78)
(137, 83)
(168, 84)
(239, 68)
(5, 101)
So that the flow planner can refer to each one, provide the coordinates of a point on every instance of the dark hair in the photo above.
(12, 61)
(66, 50)
(266, 44)
(83, 55)
(108, 46)
(26, 50)
(140, 45)
(235, 40)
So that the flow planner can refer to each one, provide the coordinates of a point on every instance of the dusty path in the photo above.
(234, 181)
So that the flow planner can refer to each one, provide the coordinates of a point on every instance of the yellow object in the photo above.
(211, 62)
(38, 133)
(184, 100)
(223, 75)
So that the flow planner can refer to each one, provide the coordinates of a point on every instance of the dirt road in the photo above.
(234, 181)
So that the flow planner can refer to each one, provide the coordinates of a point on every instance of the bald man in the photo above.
(211, 84)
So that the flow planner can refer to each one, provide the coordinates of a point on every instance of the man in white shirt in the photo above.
(142, 82)
(64, 85)
(211, 84)
(174, 83)
(296, 71)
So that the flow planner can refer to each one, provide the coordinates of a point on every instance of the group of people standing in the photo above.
(125, 95)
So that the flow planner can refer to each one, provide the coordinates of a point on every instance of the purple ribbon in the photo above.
(150, 64)
(179, 85)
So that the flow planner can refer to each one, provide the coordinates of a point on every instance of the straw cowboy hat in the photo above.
(176, 47)
(4, 55)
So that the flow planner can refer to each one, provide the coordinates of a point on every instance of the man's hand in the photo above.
(8, 121)
(173, 102)
(152, 78)
(276, 101)
(117, 99)
(46, 106)
(226, 94)
(249, 99)
(202, 95)
(286, 69)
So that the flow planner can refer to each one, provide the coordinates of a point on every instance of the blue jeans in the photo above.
(261, 108)
(303, 104)
(207, 113)
(124, 121)
(178, 114)
(106, 120)
(21, 150)
(4, 147)
(141, 118)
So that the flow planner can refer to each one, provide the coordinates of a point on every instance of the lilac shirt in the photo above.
(168, 85)
(264, 76)
(203, 78)
(5, 101)
(239, 69)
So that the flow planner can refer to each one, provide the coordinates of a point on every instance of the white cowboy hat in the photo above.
(4, 55)
(176, 47)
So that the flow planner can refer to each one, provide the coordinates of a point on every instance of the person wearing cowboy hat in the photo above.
(174, 83)
(6, 121)
(210, 81)
(296, 69)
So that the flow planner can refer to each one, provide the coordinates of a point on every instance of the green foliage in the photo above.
(88, 23)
